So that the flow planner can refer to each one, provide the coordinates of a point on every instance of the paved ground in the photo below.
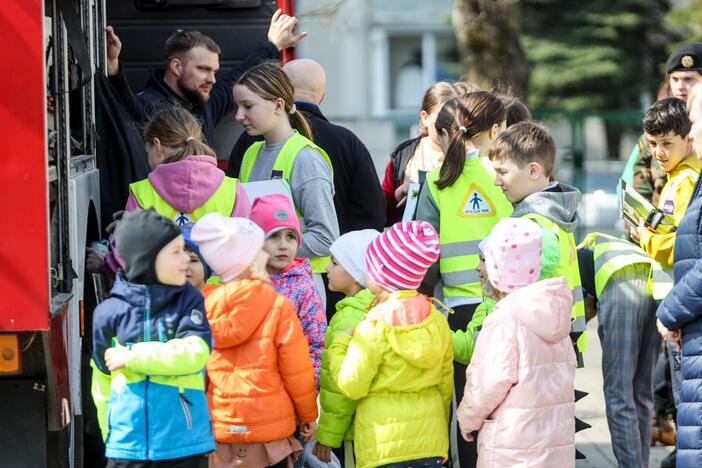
(595, 442)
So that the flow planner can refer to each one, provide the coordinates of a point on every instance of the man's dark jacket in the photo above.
(221, 100)
(358, 199)
(682, 310)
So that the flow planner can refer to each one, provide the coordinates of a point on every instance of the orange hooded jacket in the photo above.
(260, 373)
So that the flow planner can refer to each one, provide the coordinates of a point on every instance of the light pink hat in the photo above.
(513, 254)
(228, 245)
(399, 258)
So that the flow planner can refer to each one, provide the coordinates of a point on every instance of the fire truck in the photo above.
(51, 197)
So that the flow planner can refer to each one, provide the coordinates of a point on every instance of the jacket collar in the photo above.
(156, 81)
(310, 108)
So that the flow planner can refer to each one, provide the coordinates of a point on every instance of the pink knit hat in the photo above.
(274, 213)
(399, 258)
(228, 245)
(513, 254)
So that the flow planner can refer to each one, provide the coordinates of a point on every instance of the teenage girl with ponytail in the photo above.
(265, 107)
(184, 183)
(461, 201)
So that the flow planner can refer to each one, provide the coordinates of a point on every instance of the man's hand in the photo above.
(281, 32)
(116, 358)
(94, 260)
(636, 232)
(672, 336)
(322, 452)
(307, 430)
(114, 46)
(467, 436)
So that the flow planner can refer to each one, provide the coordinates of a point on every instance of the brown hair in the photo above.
(268, 80)
(180, 42)
(517, 111)
(177, 128)
(440, 92)
(523, 143)
(463, 118)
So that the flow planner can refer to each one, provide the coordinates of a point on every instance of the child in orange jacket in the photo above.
(260, 376)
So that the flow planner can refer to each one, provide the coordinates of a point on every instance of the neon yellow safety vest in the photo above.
(568, 267)
(282, 169)
(468, 210)
(610, 255)
(222, 201)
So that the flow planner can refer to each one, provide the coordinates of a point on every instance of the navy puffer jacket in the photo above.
(682, 309)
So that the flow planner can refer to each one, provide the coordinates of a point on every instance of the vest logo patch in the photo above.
(197, 317)
(669, 207)
(181, 219)
(476, 204)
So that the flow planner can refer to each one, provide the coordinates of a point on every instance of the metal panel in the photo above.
(23, 410)
(23, 242)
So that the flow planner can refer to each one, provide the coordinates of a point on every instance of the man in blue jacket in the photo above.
(680, 314)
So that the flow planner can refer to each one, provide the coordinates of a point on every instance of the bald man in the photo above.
(358, 198)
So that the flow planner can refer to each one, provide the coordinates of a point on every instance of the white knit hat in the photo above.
(228, 245)
(350, 251)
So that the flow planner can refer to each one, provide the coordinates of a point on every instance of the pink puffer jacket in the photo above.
(520, 383)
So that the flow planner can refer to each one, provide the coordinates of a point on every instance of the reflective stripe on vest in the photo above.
(222, 201)
(282, 169)
(568, 267)
(611, 254)
(468, 210)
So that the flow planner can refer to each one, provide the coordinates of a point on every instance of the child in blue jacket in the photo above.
(151, 340)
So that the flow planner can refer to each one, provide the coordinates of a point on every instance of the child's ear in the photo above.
(279, 105)
(535, 170)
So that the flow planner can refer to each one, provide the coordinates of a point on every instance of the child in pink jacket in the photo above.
(520, 383)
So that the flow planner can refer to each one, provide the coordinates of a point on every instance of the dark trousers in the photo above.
(192, 461)
(432, 462)
(462, 454)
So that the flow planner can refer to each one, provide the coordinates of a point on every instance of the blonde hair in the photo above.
(177, 128)
(269, 81)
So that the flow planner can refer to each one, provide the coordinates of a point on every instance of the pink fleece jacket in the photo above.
(520, 383)
(189, 183)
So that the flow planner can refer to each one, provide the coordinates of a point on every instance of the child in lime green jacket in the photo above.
(347, 274)
(398, 362)
(464, 341)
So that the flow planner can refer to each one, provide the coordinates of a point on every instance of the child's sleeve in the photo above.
(446, 385)
(337, 410)
(104, 330)
(354, 360)
(490, 375)
(100, 389)
(660, 246)
(294, 364)
(464, 341)
(186, 354)
(313, 319)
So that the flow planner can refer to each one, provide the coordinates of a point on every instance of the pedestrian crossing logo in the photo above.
(476, 204)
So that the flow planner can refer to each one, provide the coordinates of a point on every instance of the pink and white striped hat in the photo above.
(399, 258)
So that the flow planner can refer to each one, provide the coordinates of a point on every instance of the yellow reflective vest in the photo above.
(222, 201)
(468, 210)
(611, 254)
(568, 267)
(282, 169)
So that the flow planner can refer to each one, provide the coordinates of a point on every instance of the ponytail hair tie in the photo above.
(189, 139)
(463, 129)
(293, 109)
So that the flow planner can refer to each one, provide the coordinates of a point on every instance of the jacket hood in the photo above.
(298, 267)
(557, 202)
(543, 307)
(411, 329)
(360, 301)
(245, 303)
(187, 184)
(135, 294)
(691, 162)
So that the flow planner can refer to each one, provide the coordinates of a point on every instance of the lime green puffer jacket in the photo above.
(464, 341)
(335, 421)
(399, 366)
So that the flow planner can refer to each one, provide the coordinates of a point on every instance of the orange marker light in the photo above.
(9, 354)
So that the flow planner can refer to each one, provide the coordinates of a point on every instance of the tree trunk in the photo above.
(487, 32)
